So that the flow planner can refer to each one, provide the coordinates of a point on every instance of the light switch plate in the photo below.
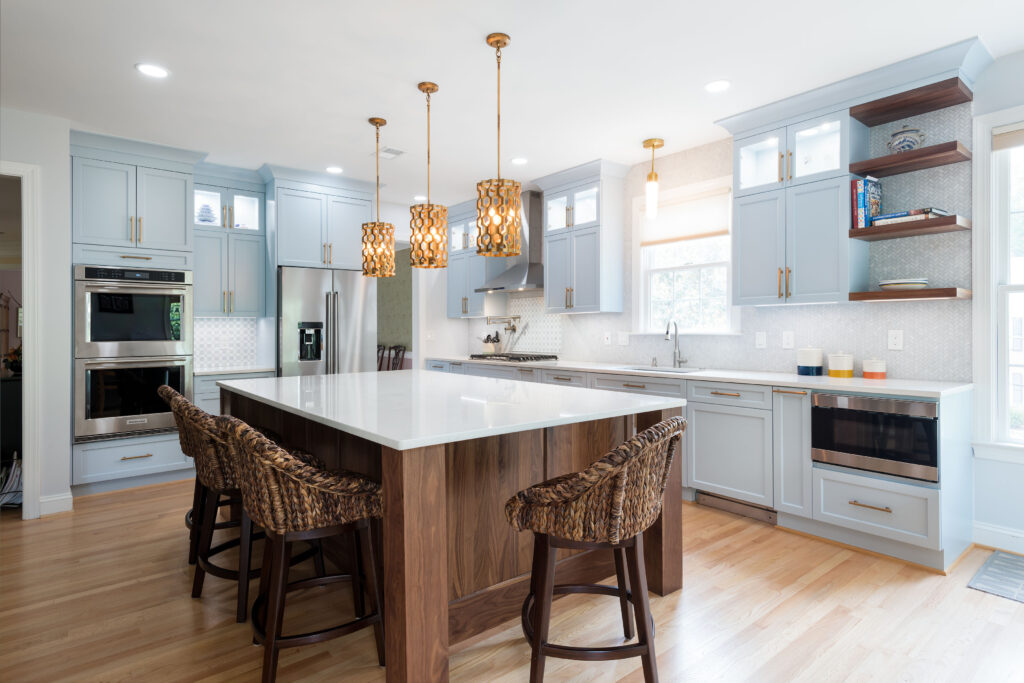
(895, 340)
(623, 338)
(761, 340)
(607, 338)
(787, 339)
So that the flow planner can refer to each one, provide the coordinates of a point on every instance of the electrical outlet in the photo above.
(607, 338)
(895, 340)
(761, 340)
(623, 338)
(787, 339)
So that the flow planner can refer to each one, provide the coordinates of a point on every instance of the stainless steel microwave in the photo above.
(131, 312)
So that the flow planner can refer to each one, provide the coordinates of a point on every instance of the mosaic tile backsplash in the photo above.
(231, 343)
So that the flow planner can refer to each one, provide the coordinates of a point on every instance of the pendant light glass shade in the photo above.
(651, 189)
(498, 201)
(428, 245)
(378, 237)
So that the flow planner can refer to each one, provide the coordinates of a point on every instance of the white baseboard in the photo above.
(1000, 537)
(60, 502)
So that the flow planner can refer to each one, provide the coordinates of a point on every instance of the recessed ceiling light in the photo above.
(152, 70)
(334, 169)
(717, 86)
(419, 198)
(519, 161)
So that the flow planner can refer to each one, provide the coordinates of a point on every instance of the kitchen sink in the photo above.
(655, 368)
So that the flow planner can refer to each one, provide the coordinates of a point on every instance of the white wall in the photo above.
(44, 141)
(1001, 85)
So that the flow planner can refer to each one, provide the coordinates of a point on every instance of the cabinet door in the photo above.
(557, 272)
(477, 270)
(456, 285)
(210, 274)
(345, 218)
(729, 451)
(246, 275)
(165, 210)
(817, 238)
(791, 435)
(758, 162)
(556, 211)
(817, 149)
(300, 228)
(245, 211)
(759, 248)
(585, 207)
(104, 203)
(585, 289)
(210, 206)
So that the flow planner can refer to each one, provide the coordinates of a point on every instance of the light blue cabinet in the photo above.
(759, 249)
(585, 290)
(301, 224)
(729, 451)
(467, 271)
(128, 206)
(557, 271)
(229, 276)
(791, 434)
(217, 206)
(344, 232)
(210, 274)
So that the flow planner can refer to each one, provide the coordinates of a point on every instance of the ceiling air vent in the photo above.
(390, 153)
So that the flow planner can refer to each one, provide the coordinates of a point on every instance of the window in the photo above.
(1008, 177)
(684, 263)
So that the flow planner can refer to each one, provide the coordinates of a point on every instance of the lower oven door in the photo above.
(876, 434)
(118, 397)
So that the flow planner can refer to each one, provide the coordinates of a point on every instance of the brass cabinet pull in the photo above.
(572, 303)
(871, 507)
(788, 293)
(572, 217)
(780, 283)
(567, 215)
(567, 297)
(224, 215)
(789, 158)
(787, 391)
(455, 363)
(131, 228)
(141, 258)
(330, 256)
(781, 178)
(232, 297)
(634, 386)
(725, 393)
(224, 302)
(138, 233)
(465, 236)
(231, 216)
(136, 457)
(562, 379)
(323, 253)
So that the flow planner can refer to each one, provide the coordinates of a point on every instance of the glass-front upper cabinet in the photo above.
(584, 212)
(815, 149)
(556, 211)
(759, 160)
(244, 211)
(461, 234)
(211, 209)
(220, 207)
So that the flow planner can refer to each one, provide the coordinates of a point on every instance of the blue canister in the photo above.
(810, 370)
(810, 362)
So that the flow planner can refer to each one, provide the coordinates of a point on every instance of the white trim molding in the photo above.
(59, 502)
(999, 537)
(1002, 452)
(33, 407)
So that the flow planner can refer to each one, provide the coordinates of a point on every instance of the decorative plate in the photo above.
(905, 139)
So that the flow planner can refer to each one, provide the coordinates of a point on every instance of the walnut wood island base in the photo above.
(452, 565)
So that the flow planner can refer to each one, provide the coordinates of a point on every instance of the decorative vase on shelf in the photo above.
(206, 214)
(905, 139)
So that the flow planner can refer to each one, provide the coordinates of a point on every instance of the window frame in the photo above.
(1004, 324)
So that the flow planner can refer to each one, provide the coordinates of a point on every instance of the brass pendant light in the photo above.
(651, 189)
(378, 237)
(429, 223)
(498, 201)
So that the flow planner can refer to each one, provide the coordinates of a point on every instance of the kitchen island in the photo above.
(449, 450)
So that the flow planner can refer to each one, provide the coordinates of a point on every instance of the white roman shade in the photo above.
(700, 215)
(1008, 136)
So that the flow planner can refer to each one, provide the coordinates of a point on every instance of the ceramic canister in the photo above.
(874, 369)
(809, 362)
(840, 365)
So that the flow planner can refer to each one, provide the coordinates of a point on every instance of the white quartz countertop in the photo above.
(231, 371)
(888, 387)
(414, 408)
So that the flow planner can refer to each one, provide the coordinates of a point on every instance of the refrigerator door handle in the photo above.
(327, 332)
(335, 332)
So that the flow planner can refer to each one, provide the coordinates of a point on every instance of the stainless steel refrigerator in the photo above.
(326, 321)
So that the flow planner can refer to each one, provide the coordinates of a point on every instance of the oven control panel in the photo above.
(136, 275)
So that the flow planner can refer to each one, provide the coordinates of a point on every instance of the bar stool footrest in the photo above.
(296, 640)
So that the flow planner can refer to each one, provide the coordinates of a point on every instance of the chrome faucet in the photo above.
(677, 358)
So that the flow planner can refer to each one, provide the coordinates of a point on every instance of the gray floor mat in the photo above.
(1002, 575)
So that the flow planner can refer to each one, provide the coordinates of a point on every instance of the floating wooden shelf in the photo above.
(913, 102)
(928, 226)
(914, 160)
(937, 294)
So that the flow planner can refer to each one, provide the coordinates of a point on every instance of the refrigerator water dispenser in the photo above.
(311, 341)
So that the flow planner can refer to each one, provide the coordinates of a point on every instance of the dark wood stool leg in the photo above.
(642, 607)
(264, 588)
(373, 584)
(275, 609)
(318, 558)
(623, 583)
(198, 495)
(358, 599)
(542, 602)
(244, 560)
(205, 538)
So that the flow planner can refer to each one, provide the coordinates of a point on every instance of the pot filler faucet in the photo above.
(677, 358)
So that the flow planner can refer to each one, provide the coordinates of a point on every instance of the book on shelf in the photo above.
(866, 200)
(912, 212)
(907, 217)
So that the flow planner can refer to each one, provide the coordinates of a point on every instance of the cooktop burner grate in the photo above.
(514, 357)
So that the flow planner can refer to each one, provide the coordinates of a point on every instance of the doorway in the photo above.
(394, 315)
(11, 336)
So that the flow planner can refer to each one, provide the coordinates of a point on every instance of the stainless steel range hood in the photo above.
(528, 272)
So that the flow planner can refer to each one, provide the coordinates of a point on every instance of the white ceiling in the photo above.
(292, 83)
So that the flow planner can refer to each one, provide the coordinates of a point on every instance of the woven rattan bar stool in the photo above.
(607, 506)
(294, 501)
(202, 438)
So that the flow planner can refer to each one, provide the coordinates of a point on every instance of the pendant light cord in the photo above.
(428, 148)
(652, 158)
(498, 54)
(377, 126)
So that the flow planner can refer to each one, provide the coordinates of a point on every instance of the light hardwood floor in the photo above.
(102, 594)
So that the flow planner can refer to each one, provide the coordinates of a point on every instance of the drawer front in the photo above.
(126, 258)
(528, 374)
(573, 379)
(210, 404)
(901, 512)
(458, 367)
(105, 460)
(437, 365)
(492, 371)
(676, 388)
(746, 395)
(206, 385)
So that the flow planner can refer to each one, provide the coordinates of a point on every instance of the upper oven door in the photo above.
(876, 434)
(115, 320)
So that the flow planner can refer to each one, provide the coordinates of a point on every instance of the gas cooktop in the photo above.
(514, 357)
